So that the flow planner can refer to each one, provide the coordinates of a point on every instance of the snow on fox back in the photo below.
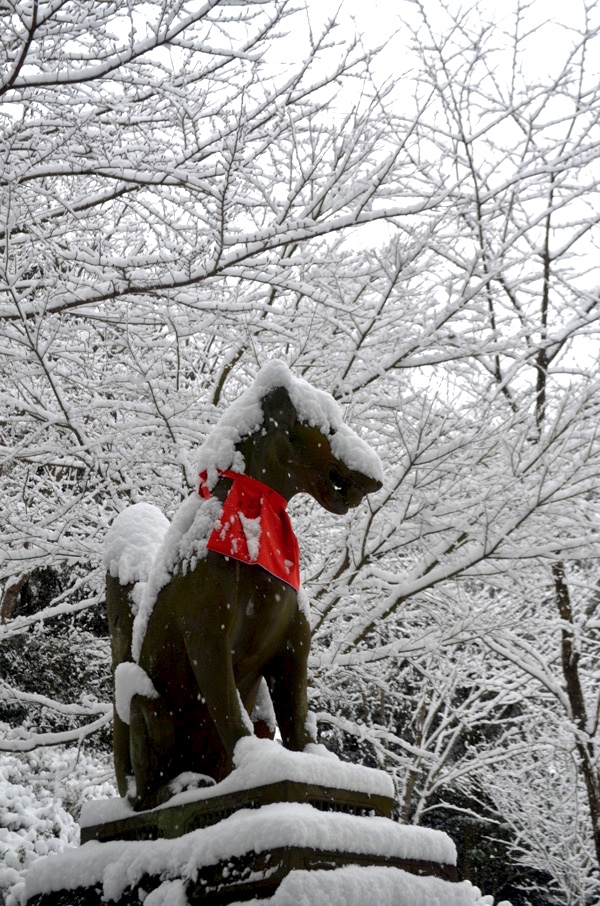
(132, 542)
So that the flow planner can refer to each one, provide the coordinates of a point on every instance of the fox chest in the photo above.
(263, 620)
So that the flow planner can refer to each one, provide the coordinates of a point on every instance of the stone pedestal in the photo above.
(258, 875)
(171, 821)
(283, 827)
(243, 846)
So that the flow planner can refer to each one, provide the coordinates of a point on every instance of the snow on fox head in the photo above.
(353, 466)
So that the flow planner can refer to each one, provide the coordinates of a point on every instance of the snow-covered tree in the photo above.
(181, 202)
(167, 174)
(486, 542)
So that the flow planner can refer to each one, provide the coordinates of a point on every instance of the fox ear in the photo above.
(278, 409)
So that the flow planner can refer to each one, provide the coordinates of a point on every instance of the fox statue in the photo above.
(204, 611)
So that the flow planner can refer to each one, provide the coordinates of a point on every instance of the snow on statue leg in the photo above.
(130, 549)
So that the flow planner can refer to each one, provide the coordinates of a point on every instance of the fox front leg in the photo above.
(206, 631)
(287, 679)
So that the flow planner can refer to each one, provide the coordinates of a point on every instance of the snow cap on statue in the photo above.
(314, 407)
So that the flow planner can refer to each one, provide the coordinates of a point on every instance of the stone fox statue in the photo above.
(202, 610)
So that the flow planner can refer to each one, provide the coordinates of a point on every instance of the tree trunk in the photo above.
(10, 598)
(570, 666)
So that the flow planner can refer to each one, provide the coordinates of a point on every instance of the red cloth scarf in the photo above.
(254, 527)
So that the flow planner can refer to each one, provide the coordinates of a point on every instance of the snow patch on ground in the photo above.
(40, 797)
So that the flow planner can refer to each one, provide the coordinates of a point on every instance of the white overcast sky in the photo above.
(377, 20)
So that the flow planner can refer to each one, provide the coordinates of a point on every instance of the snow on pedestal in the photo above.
(350, 886)
(357, 886)
(116, 867)
(259, 762)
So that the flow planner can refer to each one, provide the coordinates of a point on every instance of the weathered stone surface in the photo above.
(259, 875)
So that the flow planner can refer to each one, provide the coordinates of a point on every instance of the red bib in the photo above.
(254, 527)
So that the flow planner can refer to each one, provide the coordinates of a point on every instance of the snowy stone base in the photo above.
(350, 886)
(265, 772)
(108, 820)
(288, 853)
(272, 852)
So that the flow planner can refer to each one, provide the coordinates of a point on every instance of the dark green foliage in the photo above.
(483, 849)
(65, 659)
